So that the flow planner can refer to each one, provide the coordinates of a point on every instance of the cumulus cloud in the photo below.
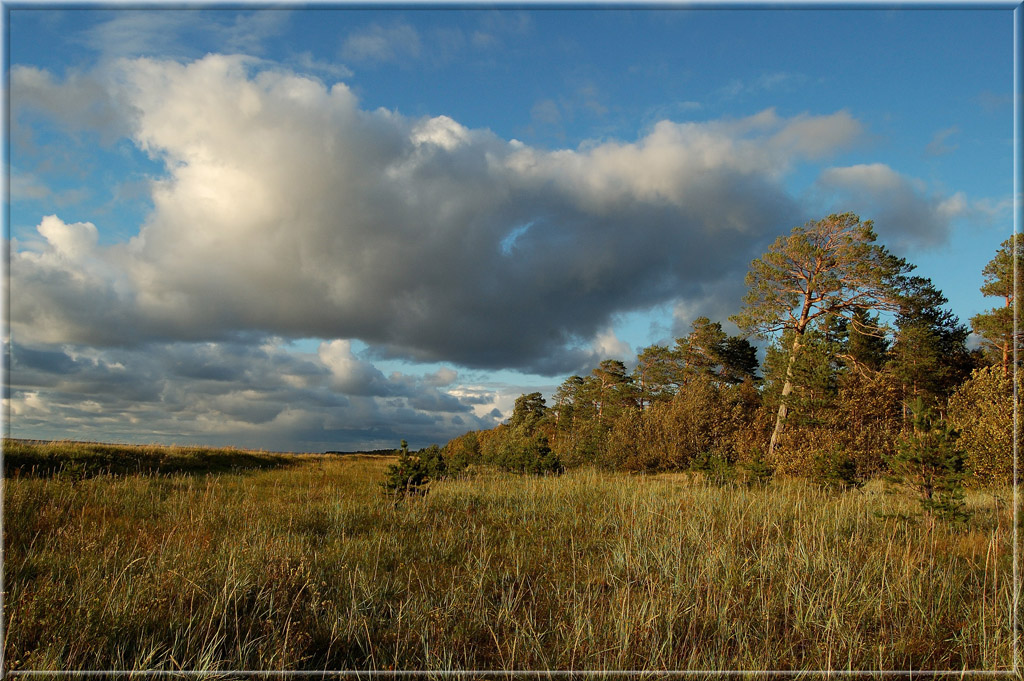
(288, 210)
(349, 374)
(905, 213)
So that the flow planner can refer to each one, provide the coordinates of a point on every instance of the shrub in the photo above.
(434, 464)
(462, 452)
(520, 453)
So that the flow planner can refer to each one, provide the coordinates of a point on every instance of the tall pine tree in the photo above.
(996, 326)
(828, 267)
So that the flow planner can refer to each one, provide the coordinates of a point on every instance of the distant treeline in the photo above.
(367, 452)
(75, 460)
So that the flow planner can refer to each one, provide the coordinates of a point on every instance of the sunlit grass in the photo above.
(311, 567)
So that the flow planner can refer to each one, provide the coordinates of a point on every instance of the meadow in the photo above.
(301, 563)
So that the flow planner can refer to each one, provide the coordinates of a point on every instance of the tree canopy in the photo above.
(829, 267)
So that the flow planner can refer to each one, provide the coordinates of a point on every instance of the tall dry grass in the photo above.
(310, 567)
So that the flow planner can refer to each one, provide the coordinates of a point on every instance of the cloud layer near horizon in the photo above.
(286, 210)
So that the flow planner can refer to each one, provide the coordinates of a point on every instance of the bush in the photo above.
(434, 464)
(634, 443)
(462, 452)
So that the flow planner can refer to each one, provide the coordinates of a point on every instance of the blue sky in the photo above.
(321, 228)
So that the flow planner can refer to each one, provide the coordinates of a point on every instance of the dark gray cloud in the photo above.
(261, 396)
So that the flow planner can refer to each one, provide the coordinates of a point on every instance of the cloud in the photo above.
(288, 210)
(176, 33)
(71, 243)
(939, 145)
(906, 215)
(609, 346)
(382, 43)
(349, 374)
(82, 101)
(256, 394)
(305, 61)
(766, 82)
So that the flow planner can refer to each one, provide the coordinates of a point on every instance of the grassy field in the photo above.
(307, 566)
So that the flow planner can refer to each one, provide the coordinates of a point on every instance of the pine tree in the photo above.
(829, 267)
(929, 354)
(867, 344)
(611, 389)
(654, 375)
(996, 326)
(928, 462)
(407, 477)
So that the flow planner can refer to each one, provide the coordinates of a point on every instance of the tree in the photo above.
(929, 355)
(462, 451)
(928, 462)
(996, 326)
(739, 359)
(700, 351)
(829, 267)
(812, 422)
(867, 344)
(407, 477)
(611, 389)
(982, 410)
(569, 402)
(709, 351)
(655, 375)
(576, 433)
(528, 412)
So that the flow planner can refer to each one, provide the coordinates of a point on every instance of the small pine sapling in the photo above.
(836, 471)
(407, 477)
(715, 467)
(928, 463)
(759, 472)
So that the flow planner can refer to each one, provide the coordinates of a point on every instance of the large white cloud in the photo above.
(286, 209)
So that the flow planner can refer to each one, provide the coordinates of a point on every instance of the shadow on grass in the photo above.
(79, 460)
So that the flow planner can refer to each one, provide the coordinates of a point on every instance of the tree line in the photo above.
(866, 373)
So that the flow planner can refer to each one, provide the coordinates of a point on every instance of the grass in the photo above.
(310, 567)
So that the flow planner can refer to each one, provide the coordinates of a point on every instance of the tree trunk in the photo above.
(787, 388)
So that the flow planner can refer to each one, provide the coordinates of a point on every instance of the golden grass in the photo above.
(310, 567)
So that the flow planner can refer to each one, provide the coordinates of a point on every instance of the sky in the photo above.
(315, 228)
